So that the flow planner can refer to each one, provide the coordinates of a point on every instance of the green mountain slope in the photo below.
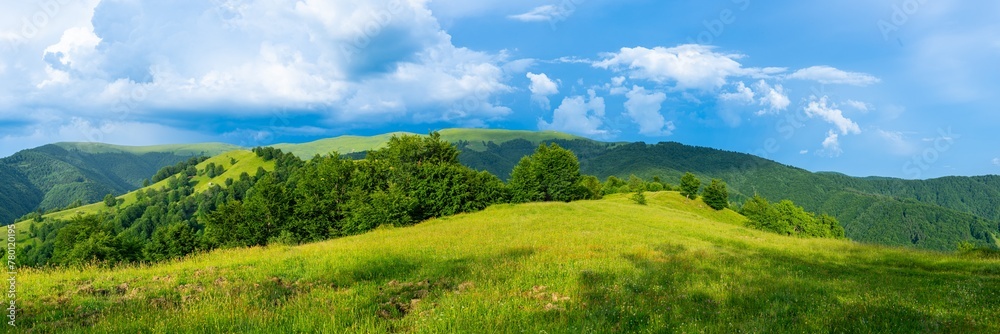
(54, 176)
(908, 213)
(591, 266)
(342, 144)
(198, 149)
(932, 214)
(245, 162)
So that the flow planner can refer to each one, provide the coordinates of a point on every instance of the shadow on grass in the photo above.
(679, 290)
(405, 284)
(387, 287)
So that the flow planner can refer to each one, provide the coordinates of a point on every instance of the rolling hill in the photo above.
(234, 163)
(245, 162)
(54, 176)
(589, 266)
(471, 139)
(930, 214)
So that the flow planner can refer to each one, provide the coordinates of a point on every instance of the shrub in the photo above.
(716, 195)
(690, 185)
(639, 198)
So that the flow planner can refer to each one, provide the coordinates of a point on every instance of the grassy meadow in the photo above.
(610, 265)
(475, 137)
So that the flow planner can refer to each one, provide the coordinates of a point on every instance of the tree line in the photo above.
(411, 179)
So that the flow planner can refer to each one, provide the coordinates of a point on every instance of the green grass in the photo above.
(208, 149)
(342, 145)
(475, 137)
(591, 266)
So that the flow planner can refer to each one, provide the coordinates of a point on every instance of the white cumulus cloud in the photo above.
(831, 145)
(822, 108)
(579, 115)
(541, 87)
(689, 65)
(339, 60)
(644, 109)
(831, 75)
(773, 98)
(742, 94)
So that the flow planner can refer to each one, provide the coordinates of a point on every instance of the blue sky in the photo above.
(902, 88)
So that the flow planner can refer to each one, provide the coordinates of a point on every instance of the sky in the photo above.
(898, 88)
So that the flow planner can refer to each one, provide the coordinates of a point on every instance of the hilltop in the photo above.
(930, 214)
(589, 266)
(473, 139)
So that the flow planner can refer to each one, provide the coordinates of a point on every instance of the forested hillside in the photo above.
(931, 214)
(58, 175)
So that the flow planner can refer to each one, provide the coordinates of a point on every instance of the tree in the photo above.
(83, 240)
(110, 201)
(552, 173)
(635, 184)
(654, 186)
(593, 186)
(761, 215)
(210, 170)
(798, 221)
(966, 246)
(524, 184)
(416, 150)
(639, 198)
(836, 231)
(222, 224)
(716, 195)
(690, 185)
(171, 241)
(611, 185)
(191, 171)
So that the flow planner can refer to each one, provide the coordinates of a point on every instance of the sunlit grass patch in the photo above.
(673, 265)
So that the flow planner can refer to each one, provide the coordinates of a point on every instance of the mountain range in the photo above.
(930, 214)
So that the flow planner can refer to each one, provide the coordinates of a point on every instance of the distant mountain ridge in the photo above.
(56, 175)
(932, 214)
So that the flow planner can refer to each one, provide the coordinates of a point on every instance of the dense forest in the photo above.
(54, 177)
(412, 179)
